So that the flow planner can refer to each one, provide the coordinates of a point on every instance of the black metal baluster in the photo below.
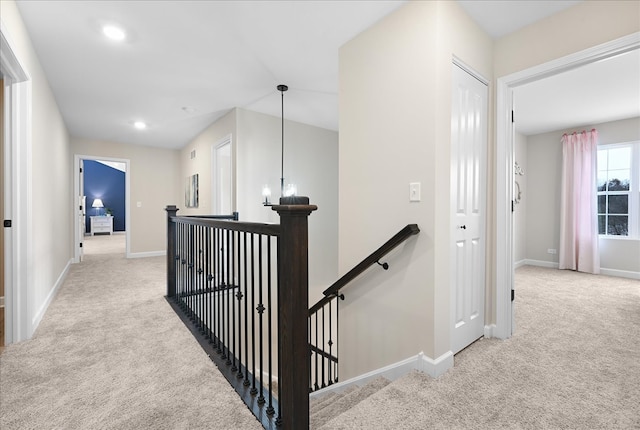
(279, 418)
(216, 289)
(270, 410)
(221, 350)
(232, 287)
(260, 310)
(246, 315)
(329, 363)
(254, 390)
(338, 298)
(228, 280)
(209, 284)
(239, 296)
(199, 284)
(316, 386)
(323, 359)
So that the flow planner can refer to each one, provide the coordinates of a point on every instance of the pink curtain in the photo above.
(578, 206)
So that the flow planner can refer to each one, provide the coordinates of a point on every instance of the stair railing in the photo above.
(323, 316)
(242, 288)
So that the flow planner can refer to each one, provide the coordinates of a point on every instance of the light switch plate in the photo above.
(414, 192)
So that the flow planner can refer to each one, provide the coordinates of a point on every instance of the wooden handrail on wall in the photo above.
(323, 316)
(373, 258)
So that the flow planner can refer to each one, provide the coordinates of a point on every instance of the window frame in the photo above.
(633, 193)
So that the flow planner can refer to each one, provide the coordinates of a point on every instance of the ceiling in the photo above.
(184, 64)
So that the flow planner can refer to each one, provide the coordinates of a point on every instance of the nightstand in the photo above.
(101, 224)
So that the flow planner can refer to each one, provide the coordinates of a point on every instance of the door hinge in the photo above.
(513, 295)
(7, 223)
(512, 117)
(81, 170)
(81, 247)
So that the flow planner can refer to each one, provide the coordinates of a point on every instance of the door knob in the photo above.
(464, 227)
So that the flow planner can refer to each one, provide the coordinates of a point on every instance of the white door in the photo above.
(222, 178)
(81, 207)
(468, 202)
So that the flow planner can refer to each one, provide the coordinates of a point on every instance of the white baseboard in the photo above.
(620, 273)
(541, 263)
(603, 271)
(420, 362)
(519, 264)
(146, 254)
(52, 294)
(489, 330)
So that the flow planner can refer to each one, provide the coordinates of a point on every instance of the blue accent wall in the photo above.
(106, 183)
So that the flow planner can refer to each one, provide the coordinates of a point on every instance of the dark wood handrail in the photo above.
(251, 227)
(372, 259)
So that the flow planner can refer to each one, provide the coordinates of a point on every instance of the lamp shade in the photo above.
(97, 203)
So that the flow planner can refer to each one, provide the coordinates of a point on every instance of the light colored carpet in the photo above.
(111, 354)
(105, 244)
(573, 363)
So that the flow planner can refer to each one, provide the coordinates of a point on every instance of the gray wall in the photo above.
(544, 167)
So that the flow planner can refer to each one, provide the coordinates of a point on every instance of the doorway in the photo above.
(87, 206)
(222, 181)
(505, 134)
(2, 212)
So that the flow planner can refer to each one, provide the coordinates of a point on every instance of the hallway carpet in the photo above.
(111, 354)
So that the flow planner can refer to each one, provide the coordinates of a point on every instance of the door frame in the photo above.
(504, 162)
(76, 200)
(227, 140)
(18, 252)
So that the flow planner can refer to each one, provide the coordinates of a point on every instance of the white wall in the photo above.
(395, 124)
(153, 175)
(50, 250)
(544, 159)
(311, 162)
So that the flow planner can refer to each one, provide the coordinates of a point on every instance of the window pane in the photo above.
(602, 221)
(602, 181)
(619, 158)
(618, 204)
(619, 180)
(602, 160)
(602, 204)
(618, 225)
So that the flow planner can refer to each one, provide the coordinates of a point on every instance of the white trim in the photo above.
(18, 192)
(146, 254)
(620, 273)
(520, 263)
(470, 70)
(76, 193)
(52, 294)
(541, 263)
(227, 140)
(504, 158)
(489, 330)
(419, 362)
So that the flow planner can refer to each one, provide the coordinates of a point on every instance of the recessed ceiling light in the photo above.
(114, 33)
(140, 125)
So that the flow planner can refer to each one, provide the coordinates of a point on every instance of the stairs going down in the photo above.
(326, 408)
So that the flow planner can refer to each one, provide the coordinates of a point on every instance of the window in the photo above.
(618, 196)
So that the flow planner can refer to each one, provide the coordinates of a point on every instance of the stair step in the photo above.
(342, 402)
(318, 403)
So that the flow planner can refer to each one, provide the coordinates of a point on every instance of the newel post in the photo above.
(293, 311)
(171, 251)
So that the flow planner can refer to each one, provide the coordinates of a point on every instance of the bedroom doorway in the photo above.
(505, 133)
(99, 206)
